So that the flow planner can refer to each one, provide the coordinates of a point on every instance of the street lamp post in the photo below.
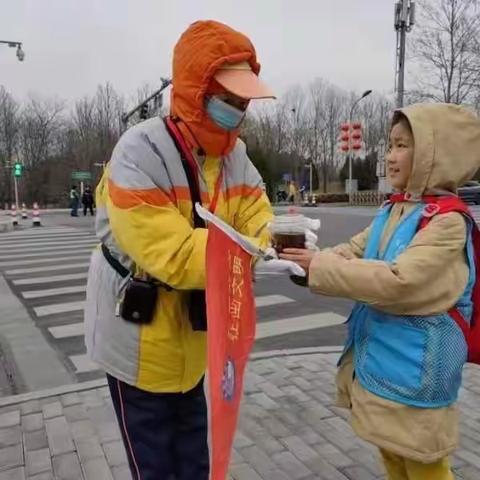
(18, 45)
(350, 152)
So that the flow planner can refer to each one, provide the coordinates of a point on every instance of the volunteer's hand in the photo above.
(278, 266)
(301, 257)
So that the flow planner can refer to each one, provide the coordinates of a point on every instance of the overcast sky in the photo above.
(73, 45)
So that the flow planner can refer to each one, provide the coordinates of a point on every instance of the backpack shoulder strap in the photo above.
(441, 205)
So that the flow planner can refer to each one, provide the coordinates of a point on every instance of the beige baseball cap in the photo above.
(239, 79)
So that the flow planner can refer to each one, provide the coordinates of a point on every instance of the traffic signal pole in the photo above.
(17, 171)
(144, 105)
(16, 191)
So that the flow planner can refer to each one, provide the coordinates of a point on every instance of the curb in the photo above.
(102, 382)
(36, 362)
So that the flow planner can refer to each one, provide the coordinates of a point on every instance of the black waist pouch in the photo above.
(140, 296)
(197, 310)
(139, 301)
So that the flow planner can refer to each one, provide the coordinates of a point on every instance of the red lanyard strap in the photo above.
(191, 169)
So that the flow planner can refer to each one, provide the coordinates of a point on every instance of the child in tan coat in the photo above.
(401, 369)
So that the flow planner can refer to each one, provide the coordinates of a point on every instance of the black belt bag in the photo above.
(140, 296)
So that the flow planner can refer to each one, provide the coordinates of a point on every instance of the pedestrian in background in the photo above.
(292, 192)
(74, 201)
(412, 272)
(88, 201)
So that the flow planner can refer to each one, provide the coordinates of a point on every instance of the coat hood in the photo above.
(200, 51)
(447, 147)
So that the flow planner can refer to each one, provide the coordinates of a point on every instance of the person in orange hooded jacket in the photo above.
(144, 219)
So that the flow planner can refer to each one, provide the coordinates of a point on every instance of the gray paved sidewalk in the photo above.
(289, 430)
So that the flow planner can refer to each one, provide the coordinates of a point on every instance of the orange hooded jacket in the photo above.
(200, 51)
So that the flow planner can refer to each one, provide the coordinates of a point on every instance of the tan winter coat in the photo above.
(428, 278)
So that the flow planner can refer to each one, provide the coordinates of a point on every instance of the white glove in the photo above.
(311, 240)
(279, 266)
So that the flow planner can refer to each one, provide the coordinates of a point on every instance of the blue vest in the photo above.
(414, 360)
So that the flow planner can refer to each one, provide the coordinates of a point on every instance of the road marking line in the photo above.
(72, 246)
(64, 331)
(46, 239)
(60, 251)
(270, 300)
(50, 292)
(48, 243)
(83, 364)
(54, 308)
(264, 329)
(51, 279)
(73, 257)
(51, 268)
(298, 324)
(30, 234)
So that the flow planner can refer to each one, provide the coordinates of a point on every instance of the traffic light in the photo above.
(144, 111)
(18, 170)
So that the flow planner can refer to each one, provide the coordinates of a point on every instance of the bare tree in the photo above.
(328, 107)
(84, 131)
(40, 125)
(9, 130)
(446, 48)
(109, 106)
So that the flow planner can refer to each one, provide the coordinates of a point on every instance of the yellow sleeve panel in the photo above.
(253, 217)
(158, 238)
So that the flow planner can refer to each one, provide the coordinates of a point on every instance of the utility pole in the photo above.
(404, 21)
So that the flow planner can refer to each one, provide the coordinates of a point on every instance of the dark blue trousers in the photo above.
(165, 434)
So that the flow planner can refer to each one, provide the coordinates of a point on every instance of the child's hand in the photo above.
(300, 256)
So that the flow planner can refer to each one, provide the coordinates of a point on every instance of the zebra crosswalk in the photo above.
(47, 270)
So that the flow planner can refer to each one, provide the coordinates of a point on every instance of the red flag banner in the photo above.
(231, 333)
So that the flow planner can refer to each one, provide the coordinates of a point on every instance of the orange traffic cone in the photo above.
(36, 216)
(14, 215)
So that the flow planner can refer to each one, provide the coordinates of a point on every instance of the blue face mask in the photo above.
(224, 115)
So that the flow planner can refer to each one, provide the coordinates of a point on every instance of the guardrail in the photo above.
(369, 198)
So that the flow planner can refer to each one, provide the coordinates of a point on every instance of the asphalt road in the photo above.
(46, 270)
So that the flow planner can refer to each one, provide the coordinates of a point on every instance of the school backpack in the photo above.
(446, 204)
